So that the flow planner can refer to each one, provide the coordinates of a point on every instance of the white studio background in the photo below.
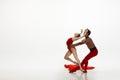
(33, 35)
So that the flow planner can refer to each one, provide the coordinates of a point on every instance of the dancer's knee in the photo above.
(66, 58)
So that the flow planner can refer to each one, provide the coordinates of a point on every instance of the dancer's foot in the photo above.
(85, 71)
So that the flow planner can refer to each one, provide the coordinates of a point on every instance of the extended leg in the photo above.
(76, 57)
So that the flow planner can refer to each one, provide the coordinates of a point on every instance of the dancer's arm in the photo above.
(76, 38)
(80, 43)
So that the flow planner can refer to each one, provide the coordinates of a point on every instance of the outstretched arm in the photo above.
(80, 43)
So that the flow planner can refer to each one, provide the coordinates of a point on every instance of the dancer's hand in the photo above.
(81, 31)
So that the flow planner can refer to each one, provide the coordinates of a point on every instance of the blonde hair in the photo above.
(77, 34)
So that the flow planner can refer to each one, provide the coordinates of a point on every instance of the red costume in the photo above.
(74, 67)
(93, 52)
(69, 44)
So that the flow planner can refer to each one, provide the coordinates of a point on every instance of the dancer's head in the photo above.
(77, 34)
(87, 32)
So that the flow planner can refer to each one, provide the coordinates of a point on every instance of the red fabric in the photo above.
(69, 43)
(74, 68)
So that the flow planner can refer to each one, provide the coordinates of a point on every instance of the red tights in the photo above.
(88, 57)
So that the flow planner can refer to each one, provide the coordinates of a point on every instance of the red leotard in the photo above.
(69, 44)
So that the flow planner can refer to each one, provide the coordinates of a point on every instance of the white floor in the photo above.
(51, 67)
(55, 73)
(94, 75)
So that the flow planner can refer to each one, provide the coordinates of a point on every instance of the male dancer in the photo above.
(91, 46)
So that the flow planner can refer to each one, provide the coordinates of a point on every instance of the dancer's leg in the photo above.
(88, 57)
(66, 57)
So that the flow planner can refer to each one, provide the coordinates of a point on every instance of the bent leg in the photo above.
(88, 57)
(66, 57)
(68, 53)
